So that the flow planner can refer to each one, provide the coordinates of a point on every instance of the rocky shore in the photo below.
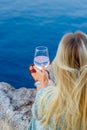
(15, 107)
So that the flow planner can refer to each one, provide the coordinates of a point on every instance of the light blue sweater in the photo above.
(35, 123)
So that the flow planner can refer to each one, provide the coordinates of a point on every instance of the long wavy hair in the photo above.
(65, 105)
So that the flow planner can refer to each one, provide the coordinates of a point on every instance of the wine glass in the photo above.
(41, 58)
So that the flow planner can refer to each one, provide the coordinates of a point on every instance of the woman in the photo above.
(64, 106)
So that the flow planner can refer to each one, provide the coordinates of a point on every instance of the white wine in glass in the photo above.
(41, 58)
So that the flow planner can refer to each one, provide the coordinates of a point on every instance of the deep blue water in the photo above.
(25, 24)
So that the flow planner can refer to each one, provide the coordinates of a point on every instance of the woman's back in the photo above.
(64, 106)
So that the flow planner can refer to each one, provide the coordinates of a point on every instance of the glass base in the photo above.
(37, 84)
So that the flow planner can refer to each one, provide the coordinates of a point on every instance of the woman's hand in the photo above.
(40, 75)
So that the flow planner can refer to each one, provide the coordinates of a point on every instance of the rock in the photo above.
(15, 107)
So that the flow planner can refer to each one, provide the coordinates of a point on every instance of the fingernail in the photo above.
(33, 71)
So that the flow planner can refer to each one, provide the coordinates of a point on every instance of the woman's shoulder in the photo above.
(39, 95)
(36, 102)
(43, 90)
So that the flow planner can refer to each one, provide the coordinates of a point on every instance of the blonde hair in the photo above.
(65, 105)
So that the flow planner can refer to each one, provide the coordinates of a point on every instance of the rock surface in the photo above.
(15, 107)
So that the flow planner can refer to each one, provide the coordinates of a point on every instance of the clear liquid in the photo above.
(40, 61)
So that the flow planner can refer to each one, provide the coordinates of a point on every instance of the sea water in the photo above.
(26, 24)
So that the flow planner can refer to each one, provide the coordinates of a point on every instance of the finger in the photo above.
(31, 69)
(43, 68)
